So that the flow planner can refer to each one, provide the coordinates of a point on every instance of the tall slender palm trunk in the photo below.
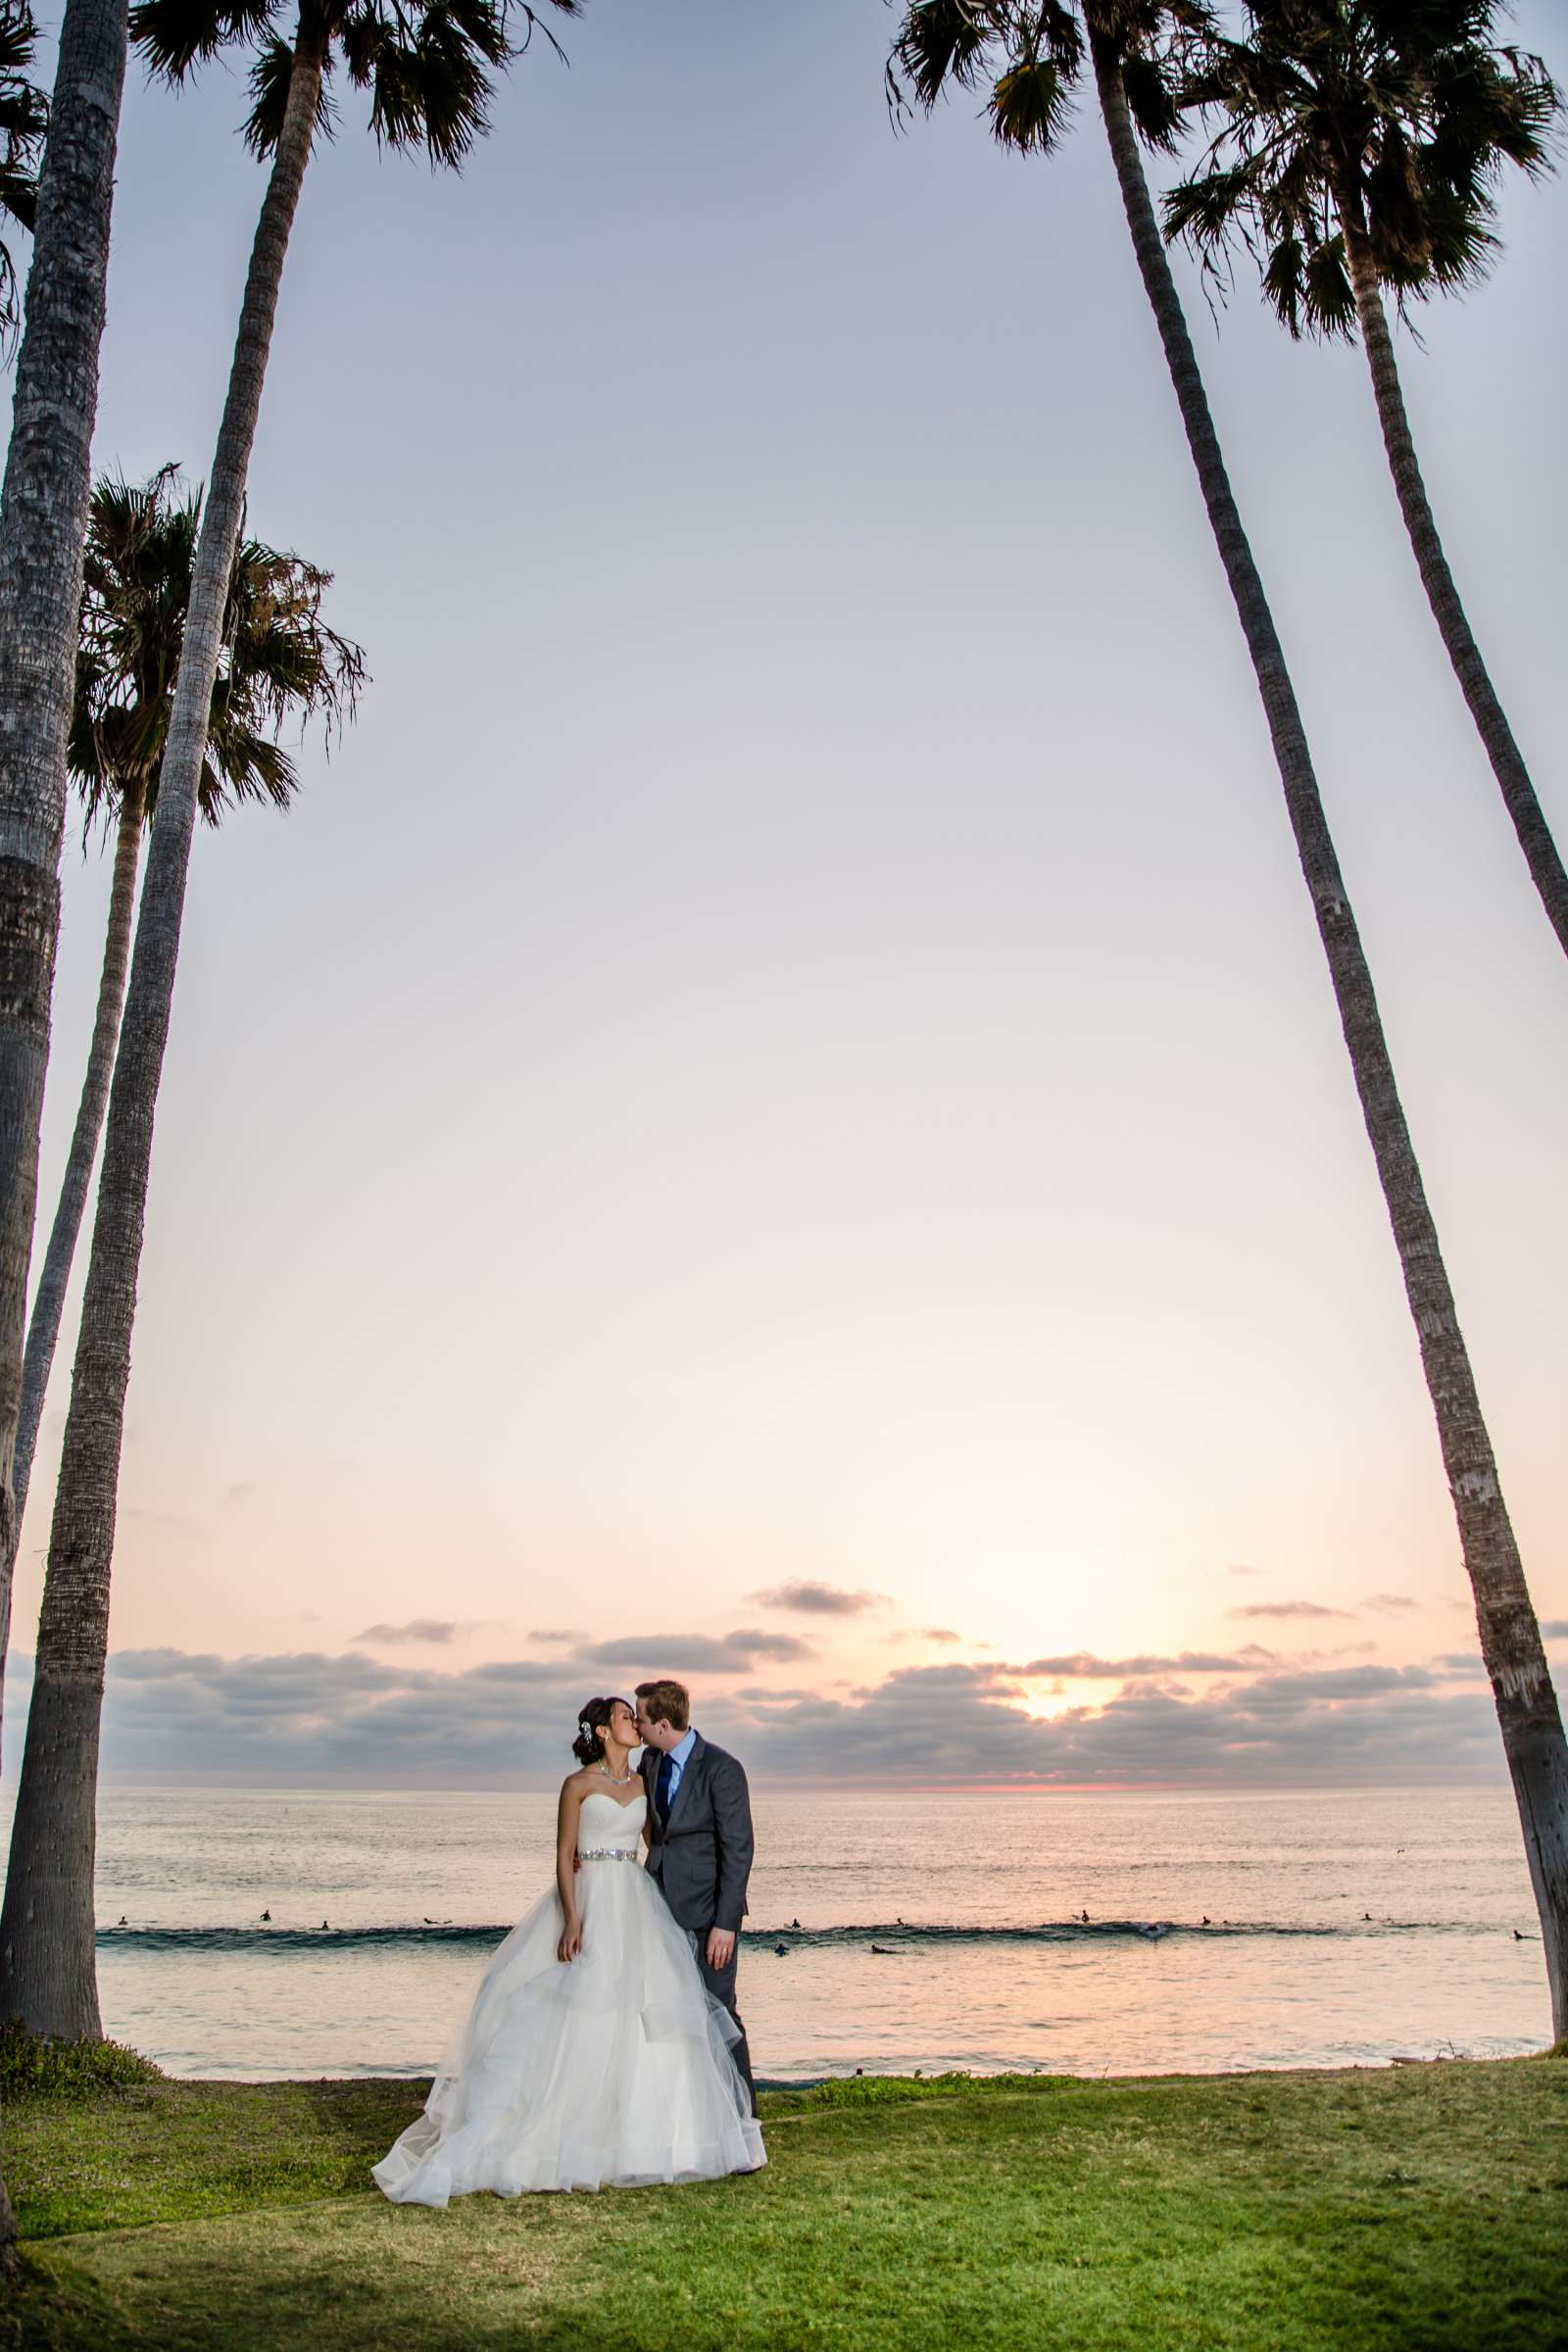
(48, 1306)
(44, 523)
(1542, 854)
(1510, 1637)
(47, 1977)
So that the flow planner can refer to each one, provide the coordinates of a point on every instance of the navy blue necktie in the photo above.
(667, 1773)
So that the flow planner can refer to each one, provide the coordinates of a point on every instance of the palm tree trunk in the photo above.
(43, 1329)
(43, 522)
(47, 1977)
(1542, 854)
(8, 2238)
(1510, 1637)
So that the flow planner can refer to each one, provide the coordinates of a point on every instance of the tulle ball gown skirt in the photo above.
(613, 2070)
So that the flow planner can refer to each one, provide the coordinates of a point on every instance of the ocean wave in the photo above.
(885, 1938)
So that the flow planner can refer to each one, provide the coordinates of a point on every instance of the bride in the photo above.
(592, 2054)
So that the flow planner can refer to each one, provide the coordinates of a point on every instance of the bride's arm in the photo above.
(567, 1813)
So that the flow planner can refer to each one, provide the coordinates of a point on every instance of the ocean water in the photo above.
(888, 1930)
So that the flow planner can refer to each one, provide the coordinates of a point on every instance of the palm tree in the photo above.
(24, 120)
(43, 518)
(1358, 145)
(429, 70)
(1031, 57)
(43, 513)
(279, 658)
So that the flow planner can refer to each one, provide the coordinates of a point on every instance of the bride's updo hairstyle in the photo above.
(592, 1723)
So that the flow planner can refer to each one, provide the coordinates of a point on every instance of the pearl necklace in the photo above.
(621, 1780)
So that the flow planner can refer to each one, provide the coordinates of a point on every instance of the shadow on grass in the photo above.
(1358, 2212)
(355, 2277)
(42, 2313)
(363, 2116)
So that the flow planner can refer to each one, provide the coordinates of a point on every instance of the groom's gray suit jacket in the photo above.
(702, 1856)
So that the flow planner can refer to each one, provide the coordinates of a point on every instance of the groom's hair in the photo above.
(667, 1702)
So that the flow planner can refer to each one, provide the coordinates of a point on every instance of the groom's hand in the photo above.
(721, 1946)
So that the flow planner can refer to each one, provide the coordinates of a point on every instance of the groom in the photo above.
(701, 1845)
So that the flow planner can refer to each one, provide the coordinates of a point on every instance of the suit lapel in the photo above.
(688, 1775)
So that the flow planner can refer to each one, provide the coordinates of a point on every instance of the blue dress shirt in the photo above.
(673, 1764)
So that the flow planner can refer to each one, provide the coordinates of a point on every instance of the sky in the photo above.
(775, 1111)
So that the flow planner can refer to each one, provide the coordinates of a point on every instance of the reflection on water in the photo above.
(1192, 1957)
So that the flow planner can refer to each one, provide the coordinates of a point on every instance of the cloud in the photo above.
(958, 1724)
(556, 1635)
(1287, 1608)
(940, 1633)
(1391, 1601)
(812, 1598)
(1241, 1568)
(313, 1720)
(1466, 1665)
(696, 1653)
(1339, 1682)
(417, 1629)
(1083, 1666)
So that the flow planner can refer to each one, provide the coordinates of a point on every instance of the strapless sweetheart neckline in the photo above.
(603, 1797)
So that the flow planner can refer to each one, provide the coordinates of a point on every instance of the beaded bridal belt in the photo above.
(607, 1853)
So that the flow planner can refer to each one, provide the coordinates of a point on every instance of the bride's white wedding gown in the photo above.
(610, 2070)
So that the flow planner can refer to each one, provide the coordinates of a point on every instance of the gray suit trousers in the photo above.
(720, 1982)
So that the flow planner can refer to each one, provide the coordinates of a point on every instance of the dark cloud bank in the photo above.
(1255, 1721)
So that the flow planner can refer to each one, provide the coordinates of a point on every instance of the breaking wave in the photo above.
(888, 1937)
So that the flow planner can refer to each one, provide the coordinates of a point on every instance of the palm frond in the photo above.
(1330, 295)
(430, 87)
(175, 37)
(1030, 105)
(1460, 247)
(272, 71)
(1029, 52)
(941, 43)
(1150, 93)
(1211, 207)
(280, 663)
(429, 70)
(1285, 283)
(23, 122)
(1399, 115)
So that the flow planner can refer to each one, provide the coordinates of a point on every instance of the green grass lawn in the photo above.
(1413, 2209)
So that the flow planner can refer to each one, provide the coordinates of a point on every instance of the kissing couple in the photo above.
(602, 2048)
